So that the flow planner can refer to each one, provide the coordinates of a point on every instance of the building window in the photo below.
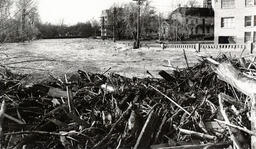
(227, 3)
(247, 36)
(227, 22)
(254, 37)
(208, 29)
(247, 21)
(250, 2)
(255, 20)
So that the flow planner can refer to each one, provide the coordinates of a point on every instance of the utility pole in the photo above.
(114, 24)
(23, 17)
(137, 43)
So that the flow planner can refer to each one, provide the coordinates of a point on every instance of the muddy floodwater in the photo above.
(60, 56)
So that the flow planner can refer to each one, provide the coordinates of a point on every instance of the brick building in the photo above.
(189, 23)
(235, 21)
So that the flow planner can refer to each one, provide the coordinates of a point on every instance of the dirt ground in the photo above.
(68, 55)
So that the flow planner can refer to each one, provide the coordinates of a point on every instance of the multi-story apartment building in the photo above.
(235, 21)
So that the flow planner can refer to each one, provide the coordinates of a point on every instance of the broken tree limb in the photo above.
(143, 141)
(69, 95)
(167, 76)
(228, 73)
(2, 112)
(231, 100)
(224, 115)
(186, 59)
(113, 127)
(237, 127)
(57, 93)
(14, 119)
(200, 146)
(198, 134)
(170, 99)
(253, 121)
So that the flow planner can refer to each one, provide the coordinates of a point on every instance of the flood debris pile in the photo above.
(189, 107)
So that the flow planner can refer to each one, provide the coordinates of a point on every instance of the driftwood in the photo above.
(253, 120)
(203, 146)
(2, 112)
(143, 141)
(100, 112)
(246, 85)
(237, 144)
(57, 93)
(228, 73)
(198, 134)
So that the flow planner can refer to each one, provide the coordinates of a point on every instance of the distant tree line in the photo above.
(25, 25)
(80, 30)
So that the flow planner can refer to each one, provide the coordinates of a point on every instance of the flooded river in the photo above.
(60, 56)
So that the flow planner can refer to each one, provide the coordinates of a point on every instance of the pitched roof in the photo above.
(195, 11)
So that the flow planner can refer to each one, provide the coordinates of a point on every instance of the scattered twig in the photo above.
(42, 133)
(113, 127)
(170, 99)
(186, 59)
(2, 113)
(144, 138)
(223, 112)
(13, 119)
(253, 120)
(106, 71)
(237, 127)
(198, 134)
(200, 146)
(69, 95)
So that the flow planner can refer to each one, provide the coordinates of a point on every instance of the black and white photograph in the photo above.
(127, 74)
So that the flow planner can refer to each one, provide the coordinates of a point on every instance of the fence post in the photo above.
(198, 47)
(251, 47)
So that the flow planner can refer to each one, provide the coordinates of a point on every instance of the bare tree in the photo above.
(149, 19)
(28, 16)
(192, 3)
(95, 25)
(5, 6)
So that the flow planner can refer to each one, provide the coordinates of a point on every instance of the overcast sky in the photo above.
(73, 11)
